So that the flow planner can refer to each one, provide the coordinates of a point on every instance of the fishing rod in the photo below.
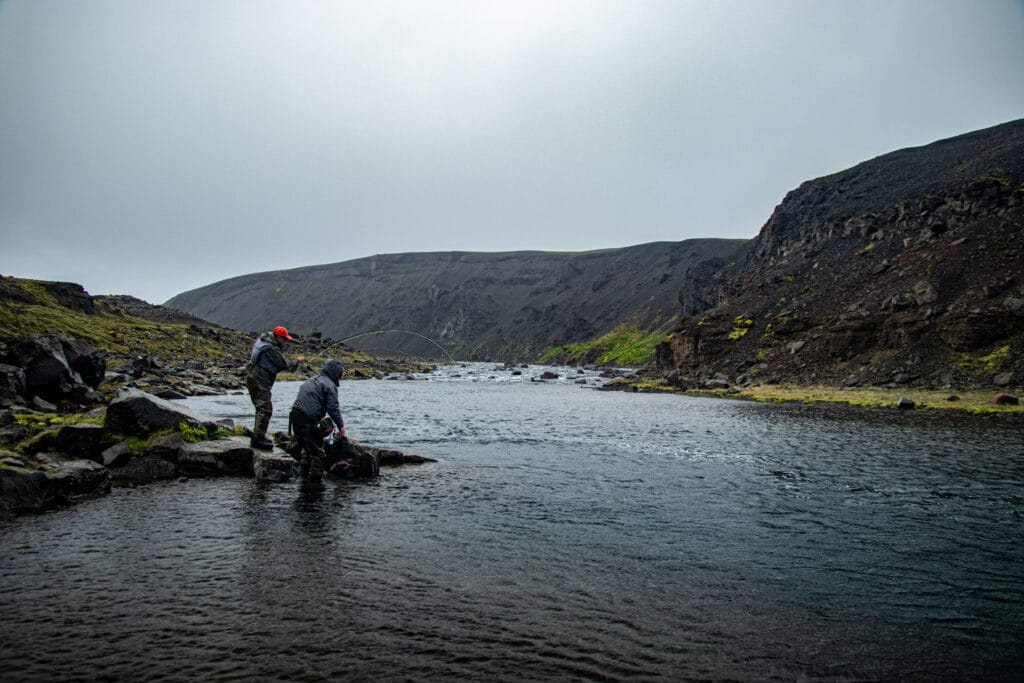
(415, 334)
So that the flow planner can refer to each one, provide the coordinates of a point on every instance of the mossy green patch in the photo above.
(106, 330)
(195, 434)
(989, 363)
(625, 345)
(740, 327)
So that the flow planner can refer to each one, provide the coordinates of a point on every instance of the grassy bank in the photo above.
(972, 401)
(969, 401)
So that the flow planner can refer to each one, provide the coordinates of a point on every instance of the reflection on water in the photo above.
(563, 534)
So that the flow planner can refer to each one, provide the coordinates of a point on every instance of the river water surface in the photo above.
(563, 534)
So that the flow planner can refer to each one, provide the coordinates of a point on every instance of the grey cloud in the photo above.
(206, 140)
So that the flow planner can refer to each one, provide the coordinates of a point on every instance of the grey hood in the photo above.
(334, 369)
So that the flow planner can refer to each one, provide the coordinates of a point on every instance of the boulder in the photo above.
(12, 381)
(88, 362)
(1005, 400)
(136, 413)
(366, 461)
(74, 479)
(167, 446)
(81, 441)
(1014, 305)
(27, 489)
(21, 490)
(144, 469)
(47, 373)
(41, 404)
(1003, 379)
(348, 459)
(116, 456)
(54, 365)
(227, 456)
(906, 403)
(168, 393)
(275, 465)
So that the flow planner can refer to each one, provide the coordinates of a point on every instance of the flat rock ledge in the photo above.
(82, 461)
(26, 489)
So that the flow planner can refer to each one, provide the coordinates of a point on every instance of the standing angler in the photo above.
(318, 396)
(266, 361)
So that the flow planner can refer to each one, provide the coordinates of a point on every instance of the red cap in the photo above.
(282, 332)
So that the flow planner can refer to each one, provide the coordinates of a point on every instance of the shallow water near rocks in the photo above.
(564, 533)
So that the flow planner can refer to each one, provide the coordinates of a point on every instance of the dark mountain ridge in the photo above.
(494, 306)
(905, 269)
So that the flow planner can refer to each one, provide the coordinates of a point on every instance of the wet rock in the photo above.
(227, 456)
(21, 489)
(547, 374)
(275, 465)
(27, 489)
(1004, 399)
(116, 456)
(74, 479)
(167, 446)
(230, 456)
(136, 413)
(145, 468)
(906, 403)
(349, 459)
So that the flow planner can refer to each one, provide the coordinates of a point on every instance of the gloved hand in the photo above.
(340, 433)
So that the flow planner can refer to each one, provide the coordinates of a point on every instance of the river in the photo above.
(563, 534)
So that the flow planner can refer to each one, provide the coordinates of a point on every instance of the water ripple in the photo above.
(564, 534)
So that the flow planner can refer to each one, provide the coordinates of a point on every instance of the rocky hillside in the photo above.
(500, 306)
(154, 347)
(906, 269)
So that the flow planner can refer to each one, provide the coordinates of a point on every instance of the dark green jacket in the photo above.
(267, 359)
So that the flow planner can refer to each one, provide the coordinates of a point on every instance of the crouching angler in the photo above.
(318, 397)
(266, 360)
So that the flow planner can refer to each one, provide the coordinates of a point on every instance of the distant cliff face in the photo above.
(499, 306)
(906, 269)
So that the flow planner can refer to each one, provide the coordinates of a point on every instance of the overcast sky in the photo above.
(151, 147)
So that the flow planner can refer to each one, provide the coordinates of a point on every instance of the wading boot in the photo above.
(262, 443)
(314, 479)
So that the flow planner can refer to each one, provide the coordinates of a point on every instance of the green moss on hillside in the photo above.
(625, 346)
(28, 308)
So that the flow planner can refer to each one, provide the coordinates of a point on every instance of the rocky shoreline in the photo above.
(71, 430)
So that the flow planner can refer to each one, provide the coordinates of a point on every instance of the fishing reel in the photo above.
(324, 428)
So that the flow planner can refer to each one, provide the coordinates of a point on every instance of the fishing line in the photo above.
(415, 334)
